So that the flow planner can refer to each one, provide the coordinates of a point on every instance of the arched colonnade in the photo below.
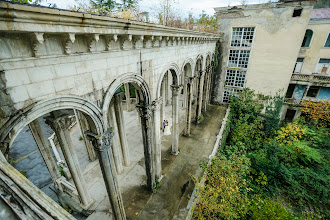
(103, 128)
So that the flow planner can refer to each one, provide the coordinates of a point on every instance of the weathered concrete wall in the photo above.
(276, 43)
(316, 50)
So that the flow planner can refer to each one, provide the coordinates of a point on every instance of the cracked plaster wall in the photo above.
(276, 43)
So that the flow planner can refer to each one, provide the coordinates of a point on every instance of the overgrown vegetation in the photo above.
(268, 171)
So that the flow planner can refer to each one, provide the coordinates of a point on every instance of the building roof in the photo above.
(320, 14)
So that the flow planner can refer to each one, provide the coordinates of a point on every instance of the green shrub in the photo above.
(225, 192)
(261, 209)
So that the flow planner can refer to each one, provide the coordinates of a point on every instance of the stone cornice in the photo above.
(27, 18)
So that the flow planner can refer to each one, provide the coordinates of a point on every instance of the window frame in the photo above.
(239, 53)
(326, 40)
(310, 43)
(236, 80)
(317, 94)
(328, 70)
(241, 40)
(302, 64)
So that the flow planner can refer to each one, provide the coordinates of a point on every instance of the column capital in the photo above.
(155, 106)
(175, 89)
(104, 140)
(58, 121)
(144, 111)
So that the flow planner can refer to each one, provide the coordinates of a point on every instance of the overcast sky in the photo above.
(184, 6)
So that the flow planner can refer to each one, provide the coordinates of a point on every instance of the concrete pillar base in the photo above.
(175, 153)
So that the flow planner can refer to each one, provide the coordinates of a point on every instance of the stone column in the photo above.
(168, 88)
(128, 98)
(205, 91)
(145, 115)
(83, 125)
(189, 106)
(175, 119)
(116, 141)
(200, 95)
(102, 146)
(209, 89)
(157, 148)
(44, 149)
(163, 103)
(121, 128)
(60, 124)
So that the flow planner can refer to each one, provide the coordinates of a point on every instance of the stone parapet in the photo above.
(39, 24)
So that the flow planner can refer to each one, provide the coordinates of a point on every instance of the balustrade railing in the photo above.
(292, 101)
(310, 78)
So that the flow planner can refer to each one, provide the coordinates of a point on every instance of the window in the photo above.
(297, 12)
(307, 38)
(323, 66)
(313, 91)
(327, 43)
(299, 63)
(235, 78)
(239, 58)
(290, 91)
(242, 37)
(229, 92)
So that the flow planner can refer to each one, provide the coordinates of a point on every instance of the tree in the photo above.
(165, 11)
(317, 111)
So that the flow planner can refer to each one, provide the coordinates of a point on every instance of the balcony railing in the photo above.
(311, 78)
(292, 101)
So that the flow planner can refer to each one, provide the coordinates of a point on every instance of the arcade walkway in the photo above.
(176, 186)
(172, 197)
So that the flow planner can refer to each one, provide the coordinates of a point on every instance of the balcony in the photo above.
(318, 79)
(291, 101)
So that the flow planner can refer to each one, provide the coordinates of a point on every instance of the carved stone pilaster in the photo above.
(123, 39)
(137, 38)
(91, 39)
(109, 39)
(167, 41)
(148, 38)
(159, 38)
(173, 39)
(68, 40)
(37, 41)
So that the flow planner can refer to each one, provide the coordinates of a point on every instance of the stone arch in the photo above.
(199, 57)
(16, 124)
(136, 80)
(192, 66)
(175, 70)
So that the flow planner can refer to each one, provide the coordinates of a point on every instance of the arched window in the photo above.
(308, 38)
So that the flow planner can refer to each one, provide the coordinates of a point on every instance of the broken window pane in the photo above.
(313, 91)
(239, 58)
(229, 92)
(242, 37)
(235, 78)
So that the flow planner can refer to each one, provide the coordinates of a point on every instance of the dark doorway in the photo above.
(290, 115)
